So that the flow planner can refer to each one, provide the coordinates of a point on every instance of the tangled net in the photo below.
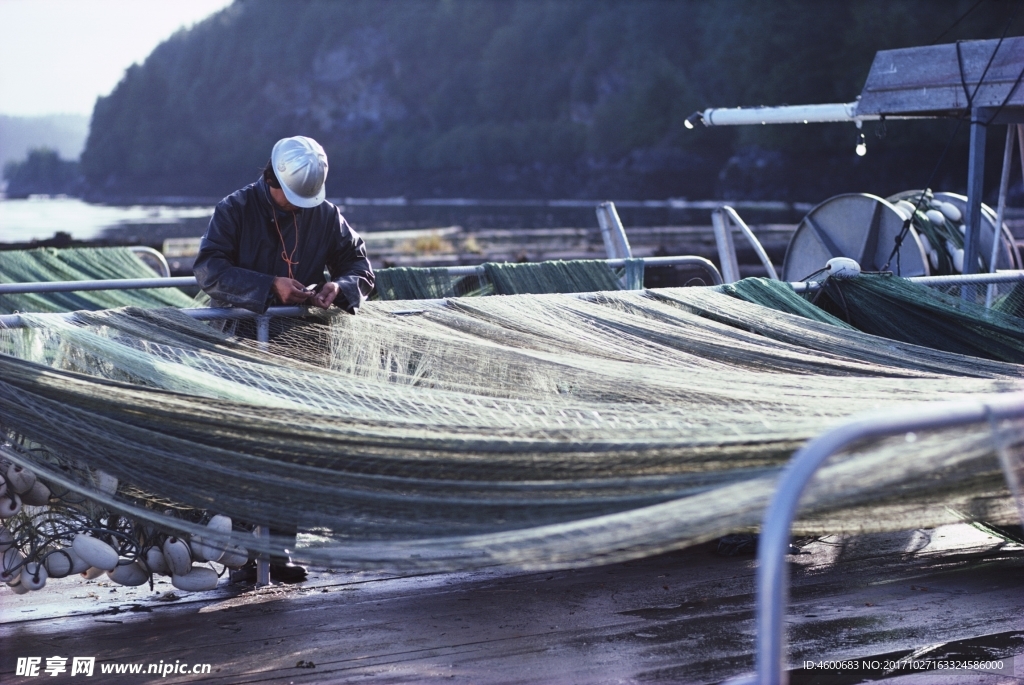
(538, 431)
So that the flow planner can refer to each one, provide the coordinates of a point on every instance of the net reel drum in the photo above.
(864, 227)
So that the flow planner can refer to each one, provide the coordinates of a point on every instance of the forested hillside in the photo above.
(518, 98)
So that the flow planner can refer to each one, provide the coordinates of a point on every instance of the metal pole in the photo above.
(772, 572)
(263, 332)
(997, 237)
(785, 114)
(107, 284)
(263, 561)
(975, 188)
(754, 242)
(612, 232)
(952, 279)
(726, 247)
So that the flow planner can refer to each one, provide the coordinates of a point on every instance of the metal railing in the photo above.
(721, 218)
(190, 281)
(773, 545)
(954, 279)
(157, 257)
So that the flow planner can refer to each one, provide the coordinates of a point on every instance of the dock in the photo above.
(682, 617)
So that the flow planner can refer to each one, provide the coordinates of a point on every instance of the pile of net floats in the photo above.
(48, 532)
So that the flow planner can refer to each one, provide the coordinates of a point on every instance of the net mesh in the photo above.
(80, 264)
(949, 318)
(576, 276)
(534, 430)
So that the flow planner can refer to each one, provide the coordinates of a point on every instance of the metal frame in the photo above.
(773, 545)
(156, 255)
(1004, 182)
(613, 234)
(921, 82)
(720, 222)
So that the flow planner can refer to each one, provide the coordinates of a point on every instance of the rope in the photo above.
(288, 258)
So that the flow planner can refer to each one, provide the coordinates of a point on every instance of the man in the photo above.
(269, 243)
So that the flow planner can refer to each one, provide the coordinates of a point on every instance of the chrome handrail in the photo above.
(773, 545)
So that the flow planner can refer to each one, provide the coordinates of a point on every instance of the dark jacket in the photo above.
(241, 252)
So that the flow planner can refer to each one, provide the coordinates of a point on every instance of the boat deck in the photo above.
(680, 617)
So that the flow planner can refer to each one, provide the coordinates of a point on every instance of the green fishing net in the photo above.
(576, 276)
(78, 264)
(533, 430)
(900, 309)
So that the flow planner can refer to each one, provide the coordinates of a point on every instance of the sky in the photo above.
(58, 56)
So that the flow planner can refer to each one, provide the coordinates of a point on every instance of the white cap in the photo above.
(300, 165)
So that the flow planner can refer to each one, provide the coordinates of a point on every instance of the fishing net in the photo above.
(780, 296)
(78, 264)
(899, 309)
(902, 310)
(576, 276)
(531, 430)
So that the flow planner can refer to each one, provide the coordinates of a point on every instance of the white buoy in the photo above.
(933, 258)
(949, 210)
(61, 563)
(925, 243)
(958, 256)
(198, 579)
(907, 209)
(200, 549)
(33, 575)
(10, 505)
(129, 574)
(18, 588)
(20, 479)
(95, 552)
(220, 523)
(178, 556)
(235, 557)
(3, 486)
(153, 559)
(92, 573)
(936, 217)
(842, 267)
(37, 496)
(205, 550)
(10, 565)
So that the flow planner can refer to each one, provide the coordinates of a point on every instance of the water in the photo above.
(39, 218)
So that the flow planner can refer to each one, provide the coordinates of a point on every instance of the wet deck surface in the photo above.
(680, 617)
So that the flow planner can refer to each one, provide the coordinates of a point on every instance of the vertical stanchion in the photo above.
(1004, 182)
(975, 187)
(612, 232)
(263, 331)
(726, 246)
(263, 560)
(263, 532)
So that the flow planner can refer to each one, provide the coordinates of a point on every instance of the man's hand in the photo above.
(289, 291)
(326, 296)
